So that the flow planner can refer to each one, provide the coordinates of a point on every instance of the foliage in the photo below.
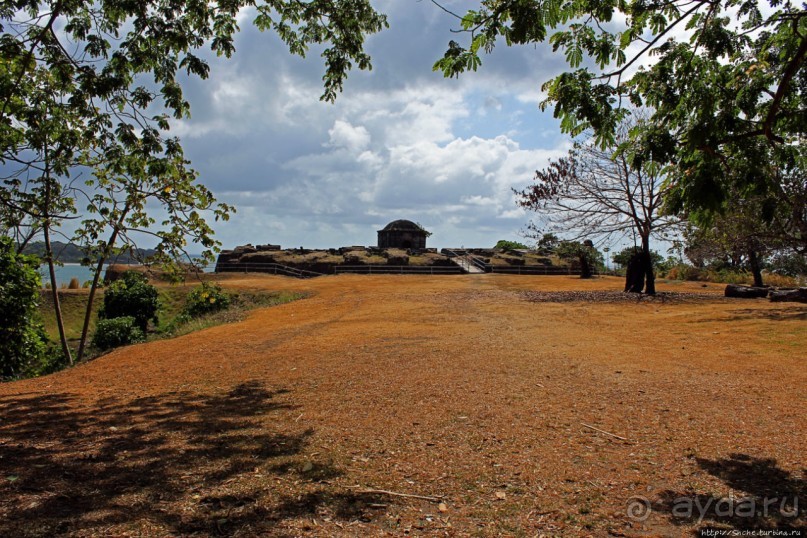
(241, 303)
(601, 192)
(624, 256)
(728, 275)
(724, 80)
(743, 236)
(424, 230)
(206, 299)
(547, 242)
(788, 264)
(683, 271)
(23, 343)
(505, 244)
(131, 296)
(582, 255)
(88, 90)
(116, 332)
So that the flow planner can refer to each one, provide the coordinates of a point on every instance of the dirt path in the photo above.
(483, 391)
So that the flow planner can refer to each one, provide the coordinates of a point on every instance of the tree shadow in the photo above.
(179, 463)
(794, 313)
(771, 499)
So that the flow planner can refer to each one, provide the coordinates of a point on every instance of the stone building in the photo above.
(402, 234)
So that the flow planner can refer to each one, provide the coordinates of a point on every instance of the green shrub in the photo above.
(116, 332)
(624, 256)
(506, 245)
(133, 296)
(206, 299)
(52, 361)
(730, 276)
(22, 339)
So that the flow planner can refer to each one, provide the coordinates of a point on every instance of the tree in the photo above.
(22, 340)
(624, 256)
(582, 254)
(789, 264)
(87, 90)
(547, 242)
(755, 223)
(740, 238)
(505, 244)
(601, 192)
(724, 93)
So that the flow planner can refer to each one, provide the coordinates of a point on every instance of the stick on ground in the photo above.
(396, 494)
(603, 431)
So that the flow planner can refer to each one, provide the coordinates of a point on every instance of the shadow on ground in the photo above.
(794, 313)
(767, 497)
(178, 463)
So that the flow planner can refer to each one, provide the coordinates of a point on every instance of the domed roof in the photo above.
(402, 225)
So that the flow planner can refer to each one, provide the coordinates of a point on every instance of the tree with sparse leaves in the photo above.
(87, 90)
(600, 192)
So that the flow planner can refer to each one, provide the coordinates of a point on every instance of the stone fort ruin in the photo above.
(403, 234)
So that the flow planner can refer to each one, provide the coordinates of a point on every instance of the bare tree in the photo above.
(604, 193)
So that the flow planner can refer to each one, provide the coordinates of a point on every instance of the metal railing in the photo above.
(534, 270)
(480, 264)
(279, 269)
(271, 268)
(398, 269)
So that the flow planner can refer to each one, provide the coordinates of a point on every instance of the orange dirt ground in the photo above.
(472, 390)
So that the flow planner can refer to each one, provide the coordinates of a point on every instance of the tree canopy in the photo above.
(87, 91)
(725, 81)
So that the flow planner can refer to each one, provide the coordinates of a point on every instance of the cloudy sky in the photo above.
(400, 142)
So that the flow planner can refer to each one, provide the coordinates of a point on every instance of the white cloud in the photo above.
(344, 135)
(401, 142)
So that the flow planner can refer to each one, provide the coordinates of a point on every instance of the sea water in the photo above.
(68, 271)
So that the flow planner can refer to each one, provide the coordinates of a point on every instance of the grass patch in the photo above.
(73, 304)
(172, 302)
(242, 303)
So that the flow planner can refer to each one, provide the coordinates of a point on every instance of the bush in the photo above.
(683, 271)
(781, 281)
(131, 296)
(116, 332)
(624, 256)
(205, 299)
(730, 276)
(23, 343)
(52, 361)
(506, 245)
(74, 284)
(789, 264)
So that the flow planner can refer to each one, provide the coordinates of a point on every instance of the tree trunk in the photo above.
(635, 274)
(647, 266)
(756, 268)
(85, 327)
(585, 267)
(798, 295)
(57, 307)
(745, 292)
(94, 287)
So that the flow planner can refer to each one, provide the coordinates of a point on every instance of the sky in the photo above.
(401, 141)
